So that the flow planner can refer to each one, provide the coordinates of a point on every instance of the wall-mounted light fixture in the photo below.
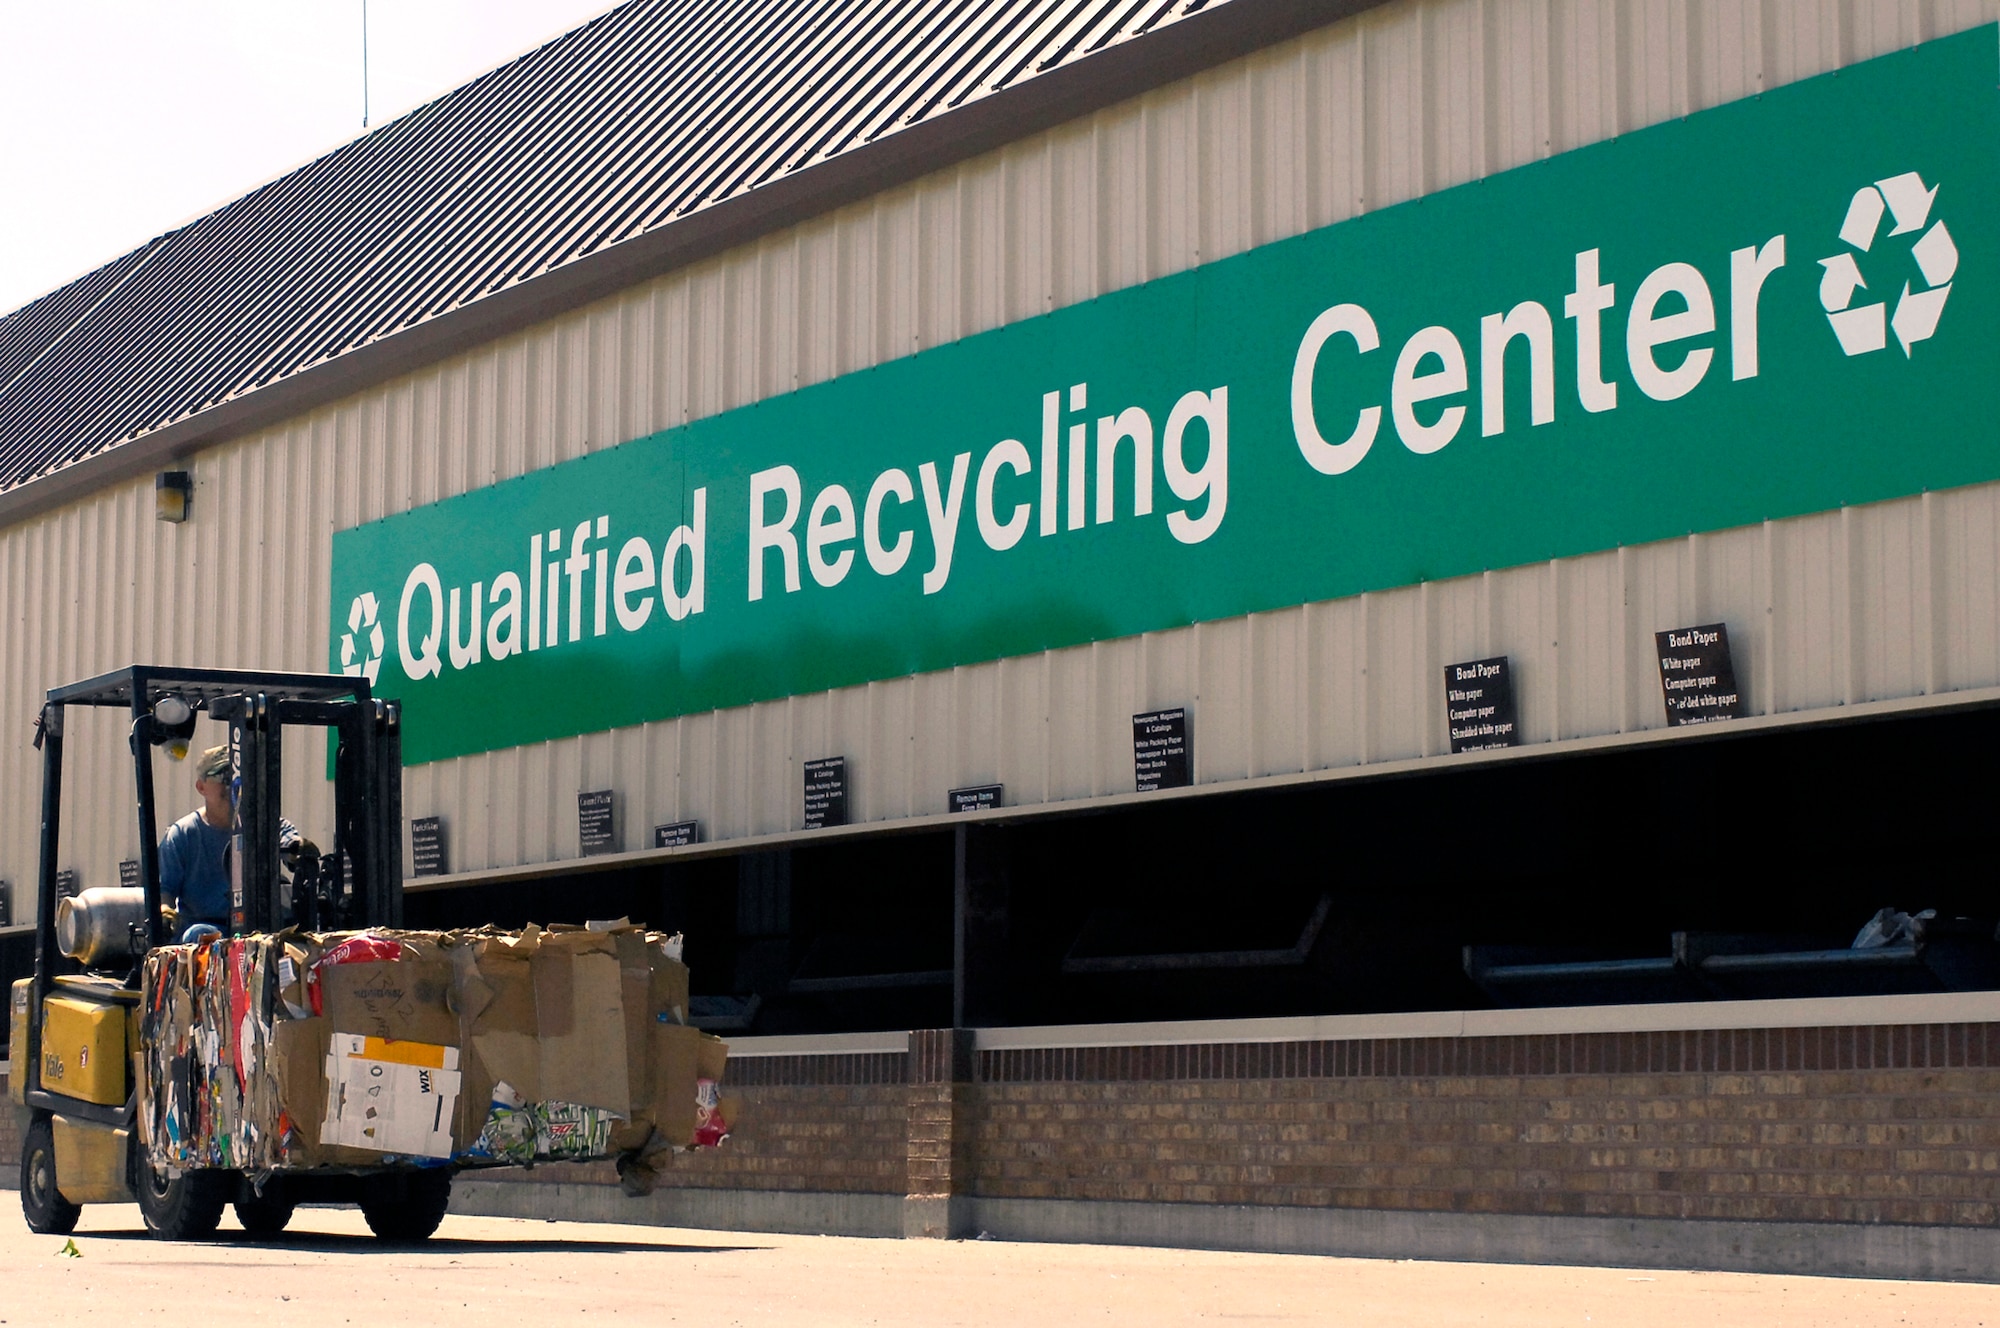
(173, 495)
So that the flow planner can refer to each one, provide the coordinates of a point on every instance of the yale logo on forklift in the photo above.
(52, 1066)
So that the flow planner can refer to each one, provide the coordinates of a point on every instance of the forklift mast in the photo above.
(368, 812)
(357, 882)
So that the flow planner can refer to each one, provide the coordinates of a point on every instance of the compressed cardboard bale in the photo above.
(654, 989)
(427, 946)
(570, 1079)
(712, 1058)
(405, 1000)
(511, 1132)
(687, 1067)
(470, 997)
(676, 1065)
(299, 1049)
(156, 1051)
(255, 1063)
(299, 953)
(208, 1096)
(712, 1124)
(635, 987)
(669, 984)
(503, 1035)
(567, 1132)
(569, 1042)
(136, 1063)
(579, 1018)
(221, 1117)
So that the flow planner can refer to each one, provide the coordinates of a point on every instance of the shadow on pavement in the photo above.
(318, 1242)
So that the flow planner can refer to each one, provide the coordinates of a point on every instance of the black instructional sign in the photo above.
(1162, 752)
(427, 846)
(6, 904)
(826, 792)
(596, 831)
(978, 798)
(678, 835)
(1697, 676)
(1479, 705)
(65, 885)
(128, 874)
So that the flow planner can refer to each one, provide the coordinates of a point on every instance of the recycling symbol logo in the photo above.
(361, 643)
(1864, 327)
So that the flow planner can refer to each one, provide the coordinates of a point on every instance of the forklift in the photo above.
(76, 1021)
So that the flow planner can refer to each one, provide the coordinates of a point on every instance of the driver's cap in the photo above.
(213, 765)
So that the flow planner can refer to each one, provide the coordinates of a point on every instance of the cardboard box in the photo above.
(299, 1053)
(397, 1097)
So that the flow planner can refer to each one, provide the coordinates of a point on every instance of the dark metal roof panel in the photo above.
(654, 111)
(30, 331)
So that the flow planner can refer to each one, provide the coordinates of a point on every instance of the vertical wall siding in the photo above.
(1894, 600)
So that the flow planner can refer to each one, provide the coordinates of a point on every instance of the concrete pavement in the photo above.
(499, 1271)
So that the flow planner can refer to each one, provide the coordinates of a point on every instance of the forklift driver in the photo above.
(194, 867)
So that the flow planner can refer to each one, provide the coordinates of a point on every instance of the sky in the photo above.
(126, 118)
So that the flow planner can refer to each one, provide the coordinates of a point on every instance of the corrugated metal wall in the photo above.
(1897, 600)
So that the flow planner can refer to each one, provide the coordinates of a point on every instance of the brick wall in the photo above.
(833, 1137)
(1870, 1125)
(940, 1159)
(823, 1123)
(13, 1123)
(1893, 1124)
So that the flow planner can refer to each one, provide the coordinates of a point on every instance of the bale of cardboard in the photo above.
(468, 1048)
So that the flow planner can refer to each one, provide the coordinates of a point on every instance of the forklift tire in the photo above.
(405, 1206)
(48, 1213)
(265, 1214)
(184, 1207)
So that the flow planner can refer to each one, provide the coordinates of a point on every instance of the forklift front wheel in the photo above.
(184, 1207)
(48, 1213)
(266, 1214)
(405, 1206)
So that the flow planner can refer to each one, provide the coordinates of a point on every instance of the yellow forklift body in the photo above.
(83, 1048)
(17, 1034)
(90, 1161)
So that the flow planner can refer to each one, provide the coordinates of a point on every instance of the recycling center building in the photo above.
(1379, 622)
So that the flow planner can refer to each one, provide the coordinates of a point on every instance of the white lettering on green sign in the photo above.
(1755, 312)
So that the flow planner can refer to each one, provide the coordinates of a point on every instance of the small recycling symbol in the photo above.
(1861, 328)
(364, 660)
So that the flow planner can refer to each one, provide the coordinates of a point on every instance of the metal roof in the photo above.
(644, 119)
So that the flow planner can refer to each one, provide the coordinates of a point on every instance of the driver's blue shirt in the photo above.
(192, 876)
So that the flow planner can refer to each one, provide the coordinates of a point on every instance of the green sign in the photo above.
(1775, 307)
